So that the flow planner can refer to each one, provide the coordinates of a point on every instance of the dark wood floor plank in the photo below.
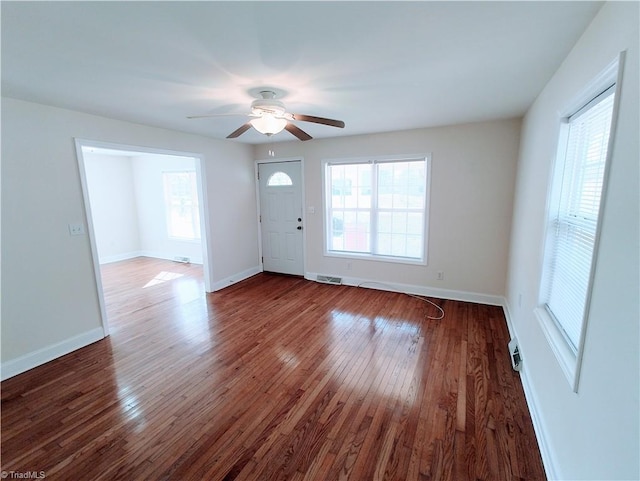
(273, 378)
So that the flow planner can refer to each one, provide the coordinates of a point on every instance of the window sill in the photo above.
(564, 354)
(369, 257)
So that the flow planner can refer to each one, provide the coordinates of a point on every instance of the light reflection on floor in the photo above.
(188, 290)
(189, 305)
(380, 359)
(192, 315)
(131, 407)
(288, 358)
(162, 277)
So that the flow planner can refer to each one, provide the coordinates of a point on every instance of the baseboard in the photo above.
(119, 257)
(240, 276)
(22, 364)
(427, 291)
(507, 316)
(133, 255)
(160, 255)
(532, 404)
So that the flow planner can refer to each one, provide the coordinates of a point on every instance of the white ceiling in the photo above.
(379, 66)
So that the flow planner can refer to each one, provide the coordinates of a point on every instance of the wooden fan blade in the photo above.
(298, 132)
(239, 131)
(319, 120)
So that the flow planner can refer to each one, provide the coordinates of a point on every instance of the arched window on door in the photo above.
(278, 179)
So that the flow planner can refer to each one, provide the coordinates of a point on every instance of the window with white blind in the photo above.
(377, 208)
(572, 229)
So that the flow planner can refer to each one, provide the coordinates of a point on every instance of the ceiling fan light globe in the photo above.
(268, 124)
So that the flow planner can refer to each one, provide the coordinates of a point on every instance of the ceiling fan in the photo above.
(271, 117)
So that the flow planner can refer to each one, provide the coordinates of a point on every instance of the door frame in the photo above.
(201, 182)
(273, 160)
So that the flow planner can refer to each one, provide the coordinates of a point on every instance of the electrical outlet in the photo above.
(76, 229)
(440, 276)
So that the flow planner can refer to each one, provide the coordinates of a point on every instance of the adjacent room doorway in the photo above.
(190, 238)
(281, 219)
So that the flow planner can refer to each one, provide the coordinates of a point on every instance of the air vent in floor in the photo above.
(329, 279)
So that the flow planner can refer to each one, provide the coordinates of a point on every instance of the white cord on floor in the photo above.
(390, 288)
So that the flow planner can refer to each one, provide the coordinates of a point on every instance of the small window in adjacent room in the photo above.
(377, 208)
(181, 203)
(577, 191)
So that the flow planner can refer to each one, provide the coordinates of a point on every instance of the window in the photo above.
(278, 179)
(181, 201)
(572, 232)
(377, 208)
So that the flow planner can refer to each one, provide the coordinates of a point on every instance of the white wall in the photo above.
(150, 203)
(593, 434)
(128, 206)
(113, 206)
(473, 172)
(49, 298)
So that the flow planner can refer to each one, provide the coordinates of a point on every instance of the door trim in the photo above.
(304, 207)
(202, 199)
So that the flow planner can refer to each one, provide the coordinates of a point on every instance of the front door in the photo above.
(280, 185)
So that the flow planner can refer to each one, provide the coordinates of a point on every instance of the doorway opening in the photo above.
(146, 212)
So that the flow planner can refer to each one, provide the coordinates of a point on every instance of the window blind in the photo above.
(575, 222)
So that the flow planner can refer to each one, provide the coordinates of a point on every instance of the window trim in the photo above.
(570, 361)
(379, 160)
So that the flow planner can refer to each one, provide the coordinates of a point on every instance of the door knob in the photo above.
(299, 227)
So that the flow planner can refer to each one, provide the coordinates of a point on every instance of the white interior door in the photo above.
(280, 185)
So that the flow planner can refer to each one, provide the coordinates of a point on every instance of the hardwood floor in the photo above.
(273, 378)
